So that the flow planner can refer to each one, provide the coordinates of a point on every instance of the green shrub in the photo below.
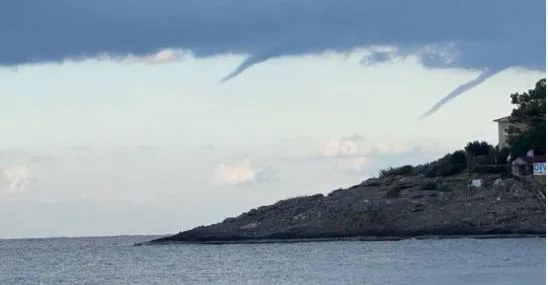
(452, 163)
(424, 168)
(457, 157)
(445, 170)
(451, 169)
(483, 159)
(444, 188)
(476, 148)
(490, 169)
(502, 155)
(393, 171)
(432, 171)
(429, 186)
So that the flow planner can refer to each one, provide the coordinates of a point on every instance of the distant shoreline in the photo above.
(357, 239)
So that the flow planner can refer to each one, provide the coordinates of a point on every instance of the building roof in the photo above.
(503, 119)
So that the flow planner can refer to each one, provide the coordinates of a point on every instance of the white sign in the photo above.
(539, 168)
(476, 183)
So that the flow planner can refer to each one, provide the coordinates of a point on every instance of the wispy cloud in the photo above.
(239, 173)
(15, 178)
(243, 172)
(358, 146)
(354, 165)
(346, 147)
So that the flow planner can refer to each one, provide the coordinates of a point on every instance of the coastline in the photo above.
(385, 209)
(354, 239)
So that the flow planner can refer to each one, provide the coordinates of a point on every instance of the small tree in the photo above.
(477, 148)
(531, 105)
(457, 157)
(530, 112)
(502, 155)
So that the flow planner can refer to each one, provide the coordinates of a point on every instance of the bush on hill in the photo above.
(483, 157)
(477, 148)
(490, 169)
(394, 171)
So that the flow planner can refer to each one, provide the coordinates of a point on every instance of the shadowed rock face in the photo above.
(388, 207)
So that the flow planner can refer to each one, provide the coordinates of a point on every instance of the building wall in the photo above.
(503, 134)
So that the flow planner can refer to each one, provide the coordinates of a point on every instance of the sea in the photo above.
(114, 260)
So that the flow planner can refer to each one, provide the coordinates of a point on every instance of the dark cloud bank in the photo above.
(486, 34)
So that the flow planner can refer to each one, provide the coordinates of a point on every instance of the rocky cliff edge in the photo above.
(386, 208)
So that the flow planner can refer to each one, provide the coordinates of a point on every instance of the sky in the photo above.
(151, 117)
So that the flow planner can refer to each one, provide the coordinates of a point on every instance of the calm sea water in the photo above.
(113, 260)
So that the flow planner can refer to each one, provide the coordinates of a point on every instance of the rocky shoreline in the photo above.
(382, 209)
(357, 239)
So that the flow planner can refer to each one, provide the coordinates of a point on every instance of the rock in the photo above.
(249, 226)
(369, 183)
(299, 217)
(498, 182)
(394, 207)
(418, 208)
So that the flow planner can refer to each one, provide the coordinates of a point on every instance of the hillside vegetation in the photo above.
(480, 156)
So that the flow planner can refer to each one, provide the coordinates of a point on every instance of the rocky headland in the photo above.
(388, 208)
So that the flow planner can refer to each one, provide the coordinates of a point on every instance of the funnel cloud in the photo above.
(247, 63)
(463, 88)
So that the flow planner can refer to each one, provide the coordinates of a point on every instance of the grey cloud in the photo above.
(484, 34)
